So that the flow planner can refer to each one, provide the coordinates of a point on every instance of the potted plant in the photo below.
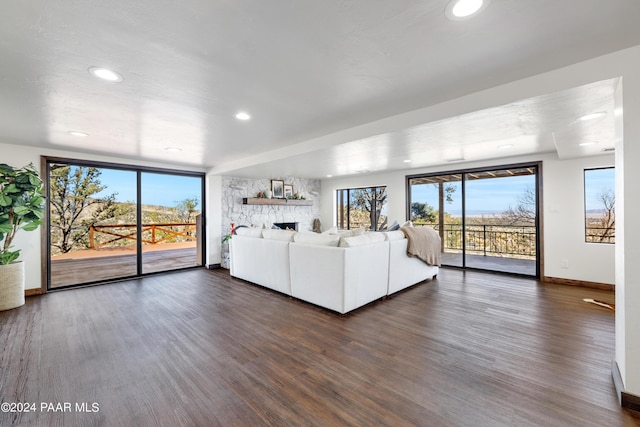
(225, 259)
(21, 208)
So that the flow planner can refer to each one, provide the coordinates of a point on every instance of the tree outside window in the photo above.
(600, 204)
(362, 208)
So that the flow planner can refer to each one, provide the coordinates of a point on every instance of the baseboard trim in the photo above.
(581, 283)
(213, 266)
(627, 400)
(32, 292)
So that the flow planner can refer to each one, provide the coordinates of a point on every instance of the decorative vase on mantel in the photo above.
(11, 285)
(268, 194)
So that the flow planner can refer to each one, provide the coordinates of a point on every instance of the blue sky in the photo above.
(595, 181)
(157, 189)
(487, 196)
(497, 194)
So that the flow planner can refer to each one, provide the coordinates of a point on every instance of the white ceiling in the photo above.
(304, 70)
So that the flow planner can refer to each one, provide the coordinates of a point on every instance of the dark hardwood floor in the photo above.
(198, 348)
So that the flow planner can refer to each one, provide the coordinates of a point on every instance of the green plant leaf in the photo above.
(5, 200)
(31, 226)
(21, 210)
(7, 257)
(34, 180)
(6, 169)
(36, 201)
(11, 188)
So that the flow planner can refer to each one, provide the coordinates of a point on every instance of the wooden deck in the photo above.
(199, 348)
(94, 265)
(500, 264)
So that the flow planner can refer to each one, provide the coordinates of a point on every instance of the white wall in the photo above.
(627, 221)
(564, 226)
(30, 242)
(563, 211)
(214, 219)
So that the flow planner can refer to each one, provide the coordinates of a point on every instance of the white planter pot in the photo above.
(11, 285)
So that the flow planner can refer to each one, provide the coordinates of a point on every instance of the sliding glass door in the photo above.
(171, 216)
(487, 219)
(500, 220)
(436, 201)
(107, 222)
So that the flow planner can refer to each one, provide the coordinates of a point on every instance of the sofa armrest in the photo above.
(261, 261)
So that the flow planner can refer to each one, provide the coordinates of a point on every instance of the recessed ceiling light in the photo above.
(587, 143)
(106, 74)
(243, 116)
(505, 146)
(329, 176)
(593, 116)
(173, 149)
(77, 133)
(458, 10)
(407, 161)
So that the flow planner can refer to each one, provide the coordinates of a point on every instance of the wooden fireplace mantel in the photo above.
(281, 202)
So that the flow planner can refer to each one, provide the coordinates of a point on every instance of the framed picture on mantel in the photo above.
(277, 188)
(288, 191)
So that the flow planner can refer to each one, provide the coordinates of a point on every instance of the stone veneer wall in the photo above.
(234, 189)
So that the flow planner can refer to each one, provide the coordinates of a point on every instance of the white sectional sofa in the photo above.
(313, 268)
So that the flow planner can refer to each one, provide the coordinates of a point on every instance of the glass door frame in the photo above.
(463, 172)
(46, 162)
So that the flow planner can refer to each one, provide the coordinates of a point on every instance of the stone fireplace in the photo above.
(287, 225)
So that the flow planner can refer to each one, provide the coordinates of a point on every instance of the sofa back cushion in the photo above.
(286, 235)
(249, 232)
(394, 235)
(332, 230)
(317, 239)
(365, 239)
(345, 233)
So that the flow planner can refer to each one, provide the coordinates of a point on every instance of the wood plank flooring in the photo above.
(199, 348)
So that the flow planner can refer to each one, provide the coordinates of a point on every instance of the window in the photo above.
(600, 205)
(362, 207)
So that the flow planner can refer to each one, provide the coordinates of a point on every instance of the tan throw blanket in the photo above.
(423, 243)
